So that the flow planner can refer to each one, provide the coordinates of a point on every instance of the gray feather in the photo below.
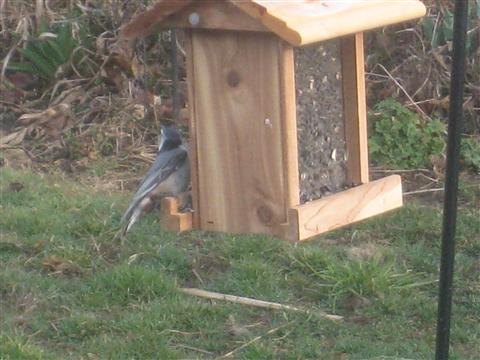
(169, 175)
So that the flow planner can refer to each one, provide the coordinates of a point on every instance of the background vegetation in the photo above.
(79, 117)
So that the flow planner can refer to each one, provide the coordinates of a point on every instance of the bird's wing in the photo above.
(163, 166)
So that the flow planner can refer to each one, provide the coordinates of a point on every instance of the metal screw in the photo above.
(194, 19)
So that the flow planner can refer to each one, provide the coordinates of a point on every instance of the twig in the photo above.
(271, 331)
(419, 109)
(197, 275)
(194, 349)
(398, 171)
(253, 302)
(99, 71)
(422, 191)
(429, 178)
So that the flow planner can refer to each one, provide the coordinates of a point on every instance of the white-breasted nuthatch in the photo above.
(169, 175)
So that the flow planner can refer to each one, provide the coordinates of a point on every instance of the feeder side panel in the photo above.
(289, 123)
(237, 105)
(355, 108)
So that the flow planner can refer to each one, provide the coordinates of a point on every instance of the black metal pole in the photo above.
(455, 126)
(175, 89)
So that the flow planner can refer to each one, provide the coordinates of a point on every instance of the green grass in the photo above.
(68, 289)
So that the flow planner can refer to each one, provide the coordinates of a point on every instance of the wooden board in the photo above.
(303, 22)
(171, 219)
(299, 22)
(289, 123)
(355, 108)
(332, 212)
(214, 15)
(237, 104)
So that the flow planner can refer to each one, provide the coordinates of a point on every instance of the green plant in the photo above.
(470, 153)
(438, 30)
(400, 139)
(370, 278)
(45, 54)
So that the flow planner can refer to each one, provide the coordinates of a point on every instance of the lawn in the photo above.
(69, 289)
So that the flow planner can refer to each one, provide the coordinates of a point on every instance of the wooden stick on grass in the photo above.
(254, 302)
(422, 191)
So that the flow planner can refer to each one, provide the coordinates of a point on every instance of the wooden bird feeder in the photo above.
(242, 104)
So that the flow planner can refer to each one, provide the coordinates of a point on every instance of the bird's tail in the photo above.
(133, 213)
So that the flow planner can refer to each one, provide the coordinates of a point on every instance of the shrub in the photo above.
(45, 54)
(470, 153)
(399, 138)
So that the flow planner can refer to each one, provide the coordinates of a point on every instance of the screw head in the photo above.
(194, 19)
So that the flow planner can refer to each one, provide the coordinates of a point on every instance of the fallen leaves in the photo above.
(52, 121)
(57, 265)
(13, 139)
(15, 158)
(363, 252)
(22, 80)
(16, 186)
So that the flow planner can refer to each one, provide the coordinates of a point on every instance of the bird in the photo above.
(169, 175)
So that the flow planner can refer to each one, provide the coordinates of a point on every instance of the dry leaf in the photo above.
(362, 252)
(137, 68)
(92, 155)
(138, 111)
(122, 55)
(183, 117)
(354, 302)
(164, 109)
(16, 186)
(13, 139)
(16, 159)
(439, 163)
(361, 320)
(53, 121)
(102, 41)
(22, 80)
(112, 75)
(58, 265)
(236, 329)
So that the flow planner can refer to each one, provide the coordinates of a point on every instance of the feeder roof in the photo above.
(299, 22)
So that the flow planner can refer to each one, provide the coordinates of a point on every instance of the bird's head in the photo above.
(169, 138)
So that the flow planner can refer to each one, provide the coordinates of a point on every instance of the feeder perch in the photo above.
(243, 126)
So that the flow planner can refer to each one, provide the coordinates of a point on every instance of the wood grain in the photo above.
(344, 208)
(171, 219)
(305, 22)
(355, 108)
(219, 15)
(238, 120)
(289, 123)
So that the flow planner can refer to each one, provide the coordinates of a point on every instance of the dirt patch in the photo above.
(208, 264)
(205, 267)
(363, 252)
(16, 186)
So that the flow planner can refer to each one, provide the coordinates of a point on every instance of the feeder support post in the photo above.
(455, 126)
(355, 108)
